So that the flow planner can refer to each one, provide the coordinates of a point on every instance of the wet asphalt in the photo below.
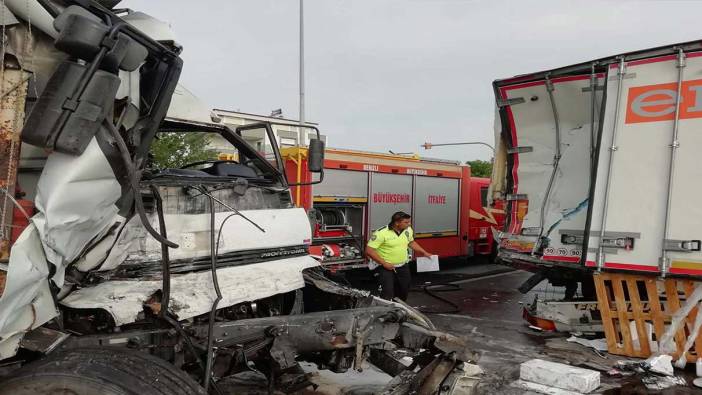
(488, 315)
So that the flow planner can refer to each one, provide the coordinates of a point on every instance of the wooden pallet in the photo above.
(648, 302)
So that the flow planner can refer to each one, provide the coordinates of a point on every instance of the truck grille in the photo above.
(152, 269)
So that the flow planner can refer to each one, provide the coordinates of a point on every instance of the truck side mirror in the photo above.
(315, 160)
(82, 34)
(62, 122)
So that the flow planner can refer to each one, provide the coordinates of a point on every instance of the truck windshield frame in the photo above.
(271, 172)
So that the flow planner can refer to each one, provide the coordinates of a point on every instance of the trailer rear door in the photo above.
(632, 191)
(685, 217)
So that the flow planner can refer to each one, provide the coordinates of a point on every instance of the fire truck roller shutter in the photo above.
(436, 205)
(389, 193)
(343, 184)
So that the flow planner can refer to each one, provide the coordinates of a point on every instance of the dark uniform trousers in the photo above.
(394, 284)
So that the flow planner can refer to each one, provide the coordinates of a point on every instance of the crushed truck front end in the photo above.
(149, 253)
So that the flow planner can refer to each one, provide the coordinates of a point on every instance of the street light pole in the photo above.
(429, 145)
(300, 136)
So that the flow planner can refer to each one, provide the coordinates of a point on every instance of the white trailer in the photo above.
(598, 164)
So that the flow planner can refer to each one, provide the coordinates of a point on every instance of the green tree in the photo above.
(480, 168)
(172, 150)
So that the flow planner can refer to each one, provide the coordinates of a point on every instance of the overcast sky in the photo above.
(390, 74)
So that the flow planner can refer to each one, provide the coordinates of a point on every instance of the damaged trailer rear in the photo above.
(598, 163)
(135, 276)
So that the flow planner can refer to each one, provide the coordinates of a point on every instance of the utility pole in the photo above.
(300, 134)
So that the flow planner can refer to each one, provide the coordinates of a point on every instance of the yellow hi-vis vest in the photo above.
(391, 246)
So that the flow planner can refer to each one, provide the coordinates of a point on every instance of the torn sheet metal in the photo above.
(76, 198)
(97, 254)
(26, 302)
(192, 233)
(498, 187)
(554, 175)
(192, 294)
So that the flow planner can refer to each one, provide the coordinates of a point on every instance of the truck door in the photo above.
(684, 231)
(645, 194)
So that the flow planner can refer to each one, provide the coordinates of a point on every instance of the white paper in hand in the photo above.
(430, 264)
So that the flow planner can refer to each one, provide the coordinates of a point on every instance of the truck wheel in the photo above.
(107, 371)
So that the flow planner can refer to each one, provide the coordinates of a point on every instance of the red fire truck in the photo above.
(360, 191)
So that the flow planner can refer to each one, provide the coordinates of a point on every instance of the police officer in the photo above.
(388, 248)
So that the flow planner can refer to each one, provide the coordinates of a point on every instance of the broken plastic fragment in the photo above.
(660, 364)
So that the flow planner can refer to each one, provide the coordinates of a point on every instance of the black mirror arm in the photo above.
(302, 184)
(319, 137)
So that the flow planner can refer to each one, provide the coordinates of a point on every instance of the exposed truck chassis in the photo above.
(372, 329)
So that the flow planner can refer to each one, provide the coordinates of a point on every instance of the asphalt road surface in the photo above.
(489, 317)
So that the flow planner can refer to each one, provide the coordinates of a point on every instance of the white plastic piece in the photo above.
(661, 364)
(667, 344)
(682, 361)
(559, 375)
(698, 367)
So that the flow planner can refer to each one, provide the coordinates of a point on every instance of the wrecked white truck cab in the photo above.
(139, 276)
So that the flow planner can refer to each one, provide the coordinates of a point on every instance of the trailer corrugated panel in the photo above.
(344, 183)
(435, 205)
(389, 193)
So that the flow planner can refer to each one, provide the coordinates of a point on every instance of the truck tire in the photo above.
(105, 371)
